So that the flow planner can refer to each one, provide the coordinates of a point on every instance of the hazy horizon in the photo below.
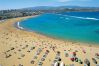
(17, 4)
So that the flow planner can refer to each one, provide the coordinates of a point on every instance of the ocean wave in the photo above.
(88, 18)
(92, 18)
(18, 25)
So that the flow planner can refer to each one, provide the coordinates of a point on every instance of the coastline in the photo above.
(11, 36)
(17, 25)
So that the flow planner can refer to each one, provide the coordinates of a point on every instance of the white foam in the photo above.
(84, 18)
(18, 24)
(92, 18)
(88, 18)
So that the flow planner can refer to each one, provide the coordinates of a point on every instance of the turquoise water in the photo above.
(67, 26)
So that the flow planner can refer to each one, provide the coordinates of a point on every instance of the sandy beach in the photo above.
(24, 48)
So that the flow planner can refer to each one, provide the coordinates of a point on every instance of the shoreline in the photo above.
(16, 44)
(17, 25)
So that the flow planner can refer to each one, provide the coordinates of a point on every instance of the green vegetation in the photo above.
(14, 13)
(7, 14)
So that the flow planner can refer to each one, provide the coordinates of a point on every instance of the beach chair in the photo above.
(23, 47)
(8, 51)
(40, 63)
(12, 48)
(72, 59)
(20, 65)
(59, 64)
(22, 55)
(26, 45)
(28, 51)
(7, 56)
(19, 50)
(35, 57)
(32, 48)
(32, 61)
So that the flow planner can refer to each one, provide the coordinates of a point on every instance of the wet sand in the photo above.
(20, 47)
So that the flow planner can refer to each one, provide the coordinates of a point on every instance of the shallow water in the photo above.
(76, 26)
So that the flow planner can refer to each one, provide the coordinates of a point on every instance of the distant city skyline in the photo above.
(17, 4)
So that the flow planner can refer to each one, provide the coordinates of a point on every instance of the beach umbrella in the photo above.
(58, 53)
(72, 59)
(42, 59)
(94, 60)
(97, 55)
(59, 59)
(76, 59)
(74, 53)
(86, 61)
(32, 61)
(47, 51)
(20, 65)
(66, 54)
(83, 50)
(79, 60)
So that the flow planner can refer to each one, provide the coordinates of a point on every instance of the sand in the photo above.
(16, 44)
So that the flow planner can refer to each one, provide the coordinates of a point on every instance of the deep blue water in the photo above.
(75, 26)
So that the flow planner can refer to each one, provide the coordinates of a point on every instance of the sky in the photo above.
(16, 4)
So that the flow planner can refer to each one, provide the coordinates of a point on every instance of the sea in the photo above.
(74, 26)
